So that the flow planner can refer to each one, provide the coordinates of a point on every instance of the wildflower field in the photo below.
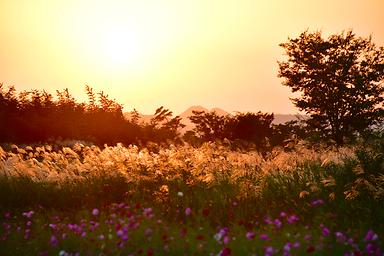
(181, 200)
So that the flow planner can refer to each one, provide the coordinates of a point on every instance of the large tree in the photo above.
(339, 81)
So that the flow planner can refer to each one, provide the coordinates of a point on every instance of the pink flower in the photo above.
(95, 212)
(250, 235)
(188, 211)
(28, 214)
(226, 240)
(292, 219)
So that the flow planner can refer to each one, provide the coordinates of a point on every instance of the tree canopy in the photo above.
(340, 81)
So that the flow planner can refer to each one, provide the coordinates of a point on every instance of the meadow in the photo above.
(182, 200)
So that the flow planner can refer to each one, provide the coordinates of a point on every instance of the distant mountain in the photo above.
(189, 112)
(142, 118)
(283, 118)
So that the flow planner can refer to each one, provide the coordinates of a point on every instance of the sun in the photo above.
(120, 47)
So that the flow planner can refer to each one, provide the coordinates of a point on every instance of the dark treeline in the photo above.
(36, 117)
(39, 117)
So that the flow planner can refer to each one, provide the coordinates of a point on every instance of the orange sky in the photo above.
(148, 53)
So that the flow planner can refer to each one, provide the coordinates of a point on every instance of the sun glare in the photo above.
(120, 47)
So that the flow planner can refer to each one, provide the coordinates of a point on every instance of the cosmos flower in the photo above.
(95, 212)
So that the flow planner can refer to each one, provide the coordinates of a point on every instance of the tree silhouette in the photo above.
(209, 126)
(253, 127)
(340, 80)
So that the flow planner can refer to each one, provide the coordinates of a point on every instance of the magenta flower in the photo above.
(277, 223)
(53, 241)
(188, 211)
(226, 240)
(225, 252)
(95, 212)
(287, 247)
(250, 235)
(292, 219)
(325, 231)
(317, 202)
(370, 236)
(28, 214)
(264, 237)
(269, 250)
(340, 237)
(120, 233)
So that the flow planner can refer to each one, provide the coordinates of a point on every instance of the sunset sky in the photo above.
(175, 53)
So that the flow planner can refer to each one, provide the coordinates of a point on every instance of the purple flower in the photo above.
(95, 212)
(119, 233)
(222, 232)
(250, 235)
(325, 231)
(148, 212)
(370, 236)
(277, 223)
(264, 237)
(28, 214)
(372, 249)
(340, 237)
(287, 247)
(188, 211)
(268, 221)
(292, 219)
(317, 202)
(226, 240)
(269, 250)
(53, 241)
(52, 226)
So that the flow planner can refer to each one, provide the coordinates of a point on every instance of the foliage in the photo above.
(255, 128)
(36, 117)
(209, 126)
(126, 200)
(340, 81)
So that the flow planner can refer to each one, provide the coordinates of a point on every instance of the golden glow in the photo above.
(120, 47)
(148, 53)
